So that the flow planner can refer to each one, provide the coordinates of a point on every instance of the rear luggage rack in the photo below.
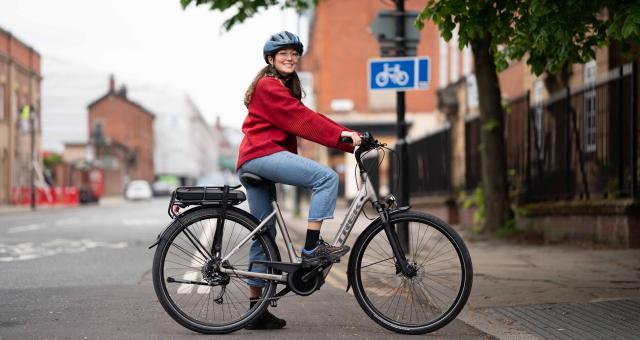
(192, 195)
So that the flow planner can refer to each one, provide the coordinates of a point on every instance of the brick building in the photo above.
(121, 132)
(19, 85)
(340, 45)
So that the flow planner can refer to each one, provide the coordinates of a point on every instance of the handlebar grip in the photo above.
(345, 139)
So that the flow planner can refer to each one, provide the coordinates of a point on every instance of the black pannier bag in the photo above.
(208, 195)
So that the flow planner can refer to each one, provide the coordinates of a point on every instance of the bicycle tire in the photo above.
(382, 79)
(380, 278)
(403, 78)
(175, 244)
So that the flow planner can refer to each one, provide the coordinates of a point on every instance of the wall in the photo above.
(126, 123)
(19, 85)
(340, 45)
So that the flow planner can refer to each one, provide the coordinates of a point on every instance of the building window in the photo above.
(466, 60)
(472, 91)
(443, 68)
(13, 111)
(537, 102)
(590, 71)
(2, 103)
(455, 57)
(98, 136)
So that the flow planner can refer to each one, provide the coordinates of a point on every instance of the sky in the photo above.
(151, 42)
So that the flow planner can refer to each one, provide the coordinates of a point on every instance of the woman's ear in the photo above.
(270, 59)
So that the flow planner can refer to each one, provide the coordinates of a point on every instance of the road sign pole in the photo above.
(32, 123)
(401, 128)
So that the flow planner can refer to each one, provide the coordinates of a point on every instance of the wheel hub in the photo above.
(412, 272)
(211, 273)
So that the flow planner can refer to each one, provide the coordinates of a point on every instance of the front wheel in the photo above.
(422, 302)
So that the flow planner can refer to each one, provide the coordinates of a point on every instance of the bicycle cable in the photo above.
(397, 174)
(368, 169)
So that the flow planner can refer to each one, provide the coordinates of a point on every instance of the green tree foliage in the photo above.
(52, 160)
(550, 33)
(245, 9)
(483, 25)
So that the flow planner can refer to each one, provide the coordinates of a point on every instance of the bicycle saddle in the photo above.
(254, 180)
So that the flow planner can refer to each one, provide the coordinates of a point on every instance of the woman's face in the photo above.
(285, 61)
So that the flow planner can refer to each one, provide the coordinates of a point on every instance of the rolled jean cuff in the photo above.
(258, 283)
(319, 219)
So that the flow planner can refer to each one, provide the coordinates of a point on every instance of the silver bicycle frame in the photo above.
(365, 194)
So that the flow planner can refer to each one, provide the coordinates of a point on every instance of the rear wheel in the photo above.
(419, 303)
(188, 282)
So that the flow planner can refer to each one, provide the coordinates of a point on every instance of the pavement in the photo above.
(520, 291)
(85, 273)
(529, 291)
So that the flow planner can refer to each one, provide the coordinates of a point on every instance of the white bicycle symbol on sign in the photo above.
(395, 74)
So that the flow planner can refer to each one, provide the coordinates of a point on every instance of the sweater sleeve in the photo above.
(287, 113)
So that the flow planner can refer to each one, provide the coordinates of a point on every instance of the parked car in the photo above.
(163, 188)
(138, 190)
(218, 179)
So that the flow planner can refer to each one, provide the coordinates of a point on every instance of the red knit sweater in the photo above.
(274, 120)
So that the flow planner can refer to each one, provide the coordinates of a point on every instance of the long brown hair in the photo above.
(292, 83)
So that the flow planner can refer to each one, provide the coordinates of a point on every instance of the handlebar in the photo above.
(367, 143)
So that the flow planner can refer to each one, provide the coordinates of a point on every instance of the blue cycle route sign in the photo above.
(399, 74)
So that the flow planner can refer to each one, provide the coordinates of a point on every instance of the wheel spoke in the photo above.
(221, 307)
(419, 301)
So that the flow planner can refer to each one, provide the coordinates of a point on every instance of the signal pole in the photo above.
(401, 129)
(32, 123)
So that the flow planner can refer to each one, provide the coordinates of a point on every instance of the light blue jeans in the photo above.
(288, 168)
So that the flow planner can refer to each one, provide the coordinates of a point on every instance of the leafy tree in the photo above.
(484, 25)
(245, 9)
(551, 34)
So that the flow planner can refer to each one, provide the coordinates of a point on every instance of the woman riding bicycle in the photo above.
(276, 117)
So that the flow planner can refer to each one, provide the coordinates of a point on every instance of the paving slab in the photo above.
(520, 289)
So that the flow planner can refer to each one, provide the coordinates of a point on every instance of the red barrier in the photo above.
(46, 197)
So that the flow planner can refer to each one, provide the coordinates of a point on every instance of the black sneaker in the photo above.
(323, 252)
(266, 321)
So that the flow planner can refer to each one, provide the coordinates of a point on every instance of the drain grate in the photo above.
(619, 319)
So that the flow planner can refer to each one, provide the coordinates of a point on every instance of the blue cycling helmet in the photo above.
(279, 41)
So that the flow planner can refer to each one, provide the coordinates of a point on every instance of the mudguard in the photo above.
(351, 265)
(237, 210)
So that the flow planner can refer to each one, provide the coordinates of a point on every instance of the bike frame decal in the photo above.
(366, 194)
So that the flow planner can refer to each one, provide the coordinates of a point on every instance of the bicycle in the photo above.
(201, 261)
(395, 74)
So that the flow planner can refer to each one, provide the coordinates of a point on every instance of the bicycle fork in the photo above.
(402, 265)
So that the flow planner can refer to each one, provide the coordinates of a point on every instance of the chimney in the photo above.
(123, 91)
(112, 84)
(218, 125)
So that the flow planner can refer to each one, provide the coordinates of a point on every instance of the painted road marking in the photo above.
(67, 221)
(28, 227)
(143, 221)
(29, 250)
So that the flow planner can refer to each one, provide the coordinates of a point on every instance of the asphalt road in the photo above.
(84, 273)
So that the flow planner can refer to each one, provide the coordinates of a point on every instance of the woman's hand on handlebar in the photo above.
(355, 137)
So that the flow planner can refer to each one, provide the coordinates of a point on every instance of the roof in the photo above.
(121, 96)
